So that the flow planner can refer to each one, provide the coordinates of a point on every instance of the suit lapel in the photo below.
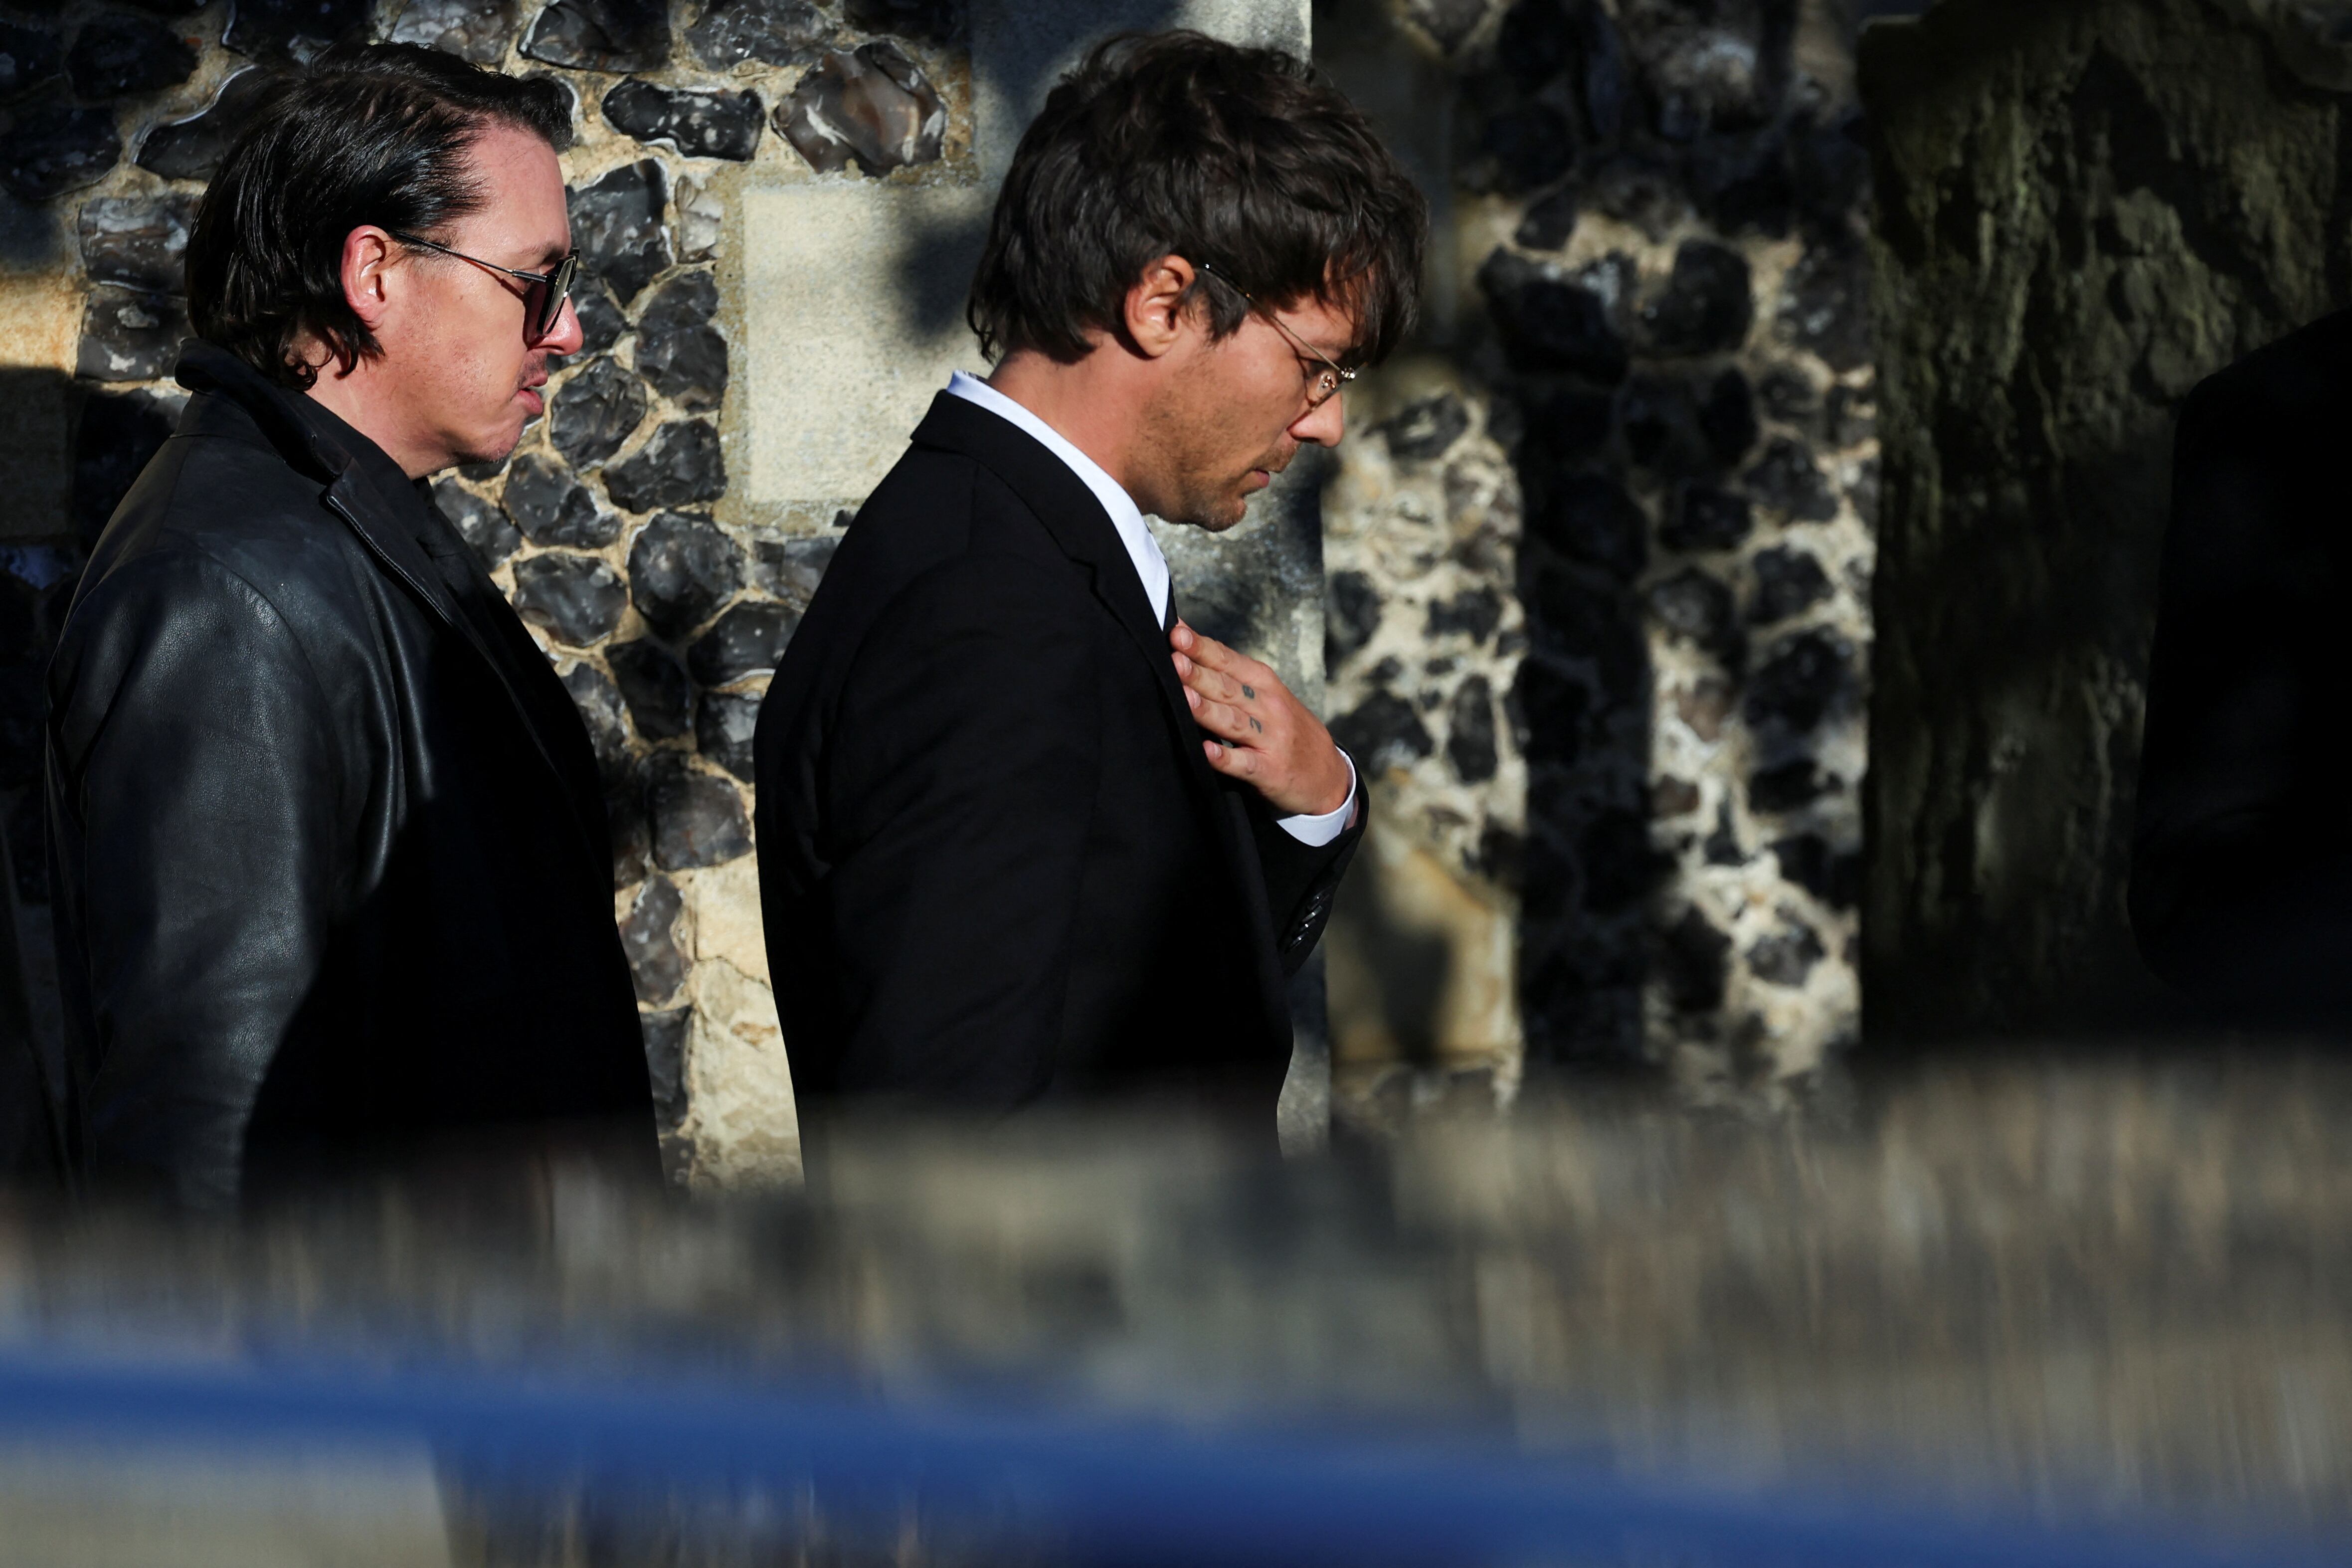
(1083, 530)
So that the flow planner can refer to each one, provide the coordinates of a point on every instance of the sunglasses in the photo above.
(542, 302)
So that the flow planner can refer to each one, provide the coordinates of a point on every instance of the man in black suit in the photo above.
(1024, 836)
(332, 872)
(2241, 873)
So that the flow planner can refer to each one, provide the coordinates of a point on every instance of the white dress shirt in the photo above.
(1150, 566)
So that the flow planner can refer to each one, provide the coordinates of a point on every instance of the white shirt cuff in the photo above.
(1316, 831)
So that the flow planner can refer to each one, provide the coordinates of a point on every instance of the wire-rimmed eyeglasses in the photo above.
(1328, 380)
(542, 302)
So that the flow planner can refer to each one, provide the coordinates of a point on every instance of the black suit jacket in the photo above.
(331, 869)
(995, 867)
(2242, 863)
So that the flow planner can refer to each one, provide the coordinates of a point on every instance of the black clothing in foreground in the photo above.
(996, 868)
(331, 869)
(2241, 865)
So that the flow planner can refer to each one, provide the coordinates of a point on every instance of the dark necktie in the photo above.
(1168, 622)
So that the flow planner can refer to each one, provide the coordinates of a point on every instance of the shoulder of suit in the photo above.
(2303, 376)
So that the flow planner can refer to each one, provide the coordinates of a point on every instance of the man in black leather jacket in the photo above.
(332, 872)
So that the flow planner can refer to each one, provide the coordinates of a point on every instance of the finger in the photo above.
(1235, 762)
(1224, 719)
(1219, 687)
(1257, 679)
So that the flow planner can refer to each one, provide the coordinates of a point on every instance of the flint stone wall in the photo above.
(662, 586)
(2082, 210)
(1601, 559)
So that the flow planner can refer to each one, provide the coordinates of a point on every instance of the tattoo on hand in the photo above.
(1257, 727)
(1249, 693)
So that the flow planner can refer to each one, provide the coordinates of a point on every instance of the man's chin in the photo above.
(496, 450)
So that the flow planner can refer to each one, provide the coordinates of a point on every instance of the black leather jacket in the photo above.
(333, 875)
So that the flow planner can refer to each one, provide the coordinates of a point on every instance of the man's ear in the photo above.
(1159, 315)
(367, 255)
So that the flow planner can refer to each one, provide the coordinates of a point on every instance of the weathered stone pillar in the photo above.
(2081, 209)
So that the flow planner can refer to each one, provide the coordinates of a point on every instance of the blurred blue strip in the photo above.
(1109, 1494)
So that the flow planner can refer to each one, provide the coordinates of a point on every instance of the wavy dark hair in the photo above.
(373, 134)
(1177, 143)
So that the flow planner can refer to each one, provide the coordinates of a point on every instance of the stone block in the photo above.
(872, 104)
(136, 241)
(616, 35)
(131, 337)
(579, 599)
(295, 30)
(114, 57)
(192, 148)
(682, 568)
(773, 32)
(475, 30)
(50, 149)
(700, 123)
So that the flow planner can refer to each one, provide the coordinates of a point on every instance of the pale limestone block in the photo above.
(741, 1124)
(724, 904)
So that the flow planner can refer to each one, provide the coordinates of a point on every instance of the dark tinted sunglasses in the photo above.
(542, 302)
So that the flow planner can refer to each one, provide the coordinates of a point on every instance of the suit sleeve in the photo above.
(2232, 893)
(191, 762)
(1301, 879)
(964, 770)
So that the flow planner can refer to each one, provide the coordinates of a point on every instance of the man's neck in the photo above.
(358, 403)
(1096, 404)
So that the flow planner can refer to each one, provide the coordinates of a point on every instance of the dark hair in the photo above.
(375, 134)
(1177, 143)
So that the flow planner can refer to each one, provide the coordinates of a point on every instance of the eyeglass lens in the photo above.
(547, 298)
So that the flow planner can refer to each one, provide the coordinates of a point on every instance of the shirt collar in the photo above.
(1150, 565)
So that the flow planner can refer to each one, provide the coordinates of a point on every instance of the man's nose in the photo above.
(1324, 422)
(566, 337)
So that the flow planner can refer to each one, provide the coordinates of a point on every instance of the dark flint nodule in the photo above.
(1787, 480)
(790, 569)
(1354, 614)
(1690, 960)
(600, 321)
(664, 1035)
(697, 818)
(873, 104)
(552, 507)
(114, 56)
(131, 337)
(1708, 304)
(681, 568)
(654, 686)
(1550, 220)
(1476, 614)
(1802, 679)
(29, 59)
(1696, 606)
(296, 30)
(1707, 519)
(482, 526)
(723, 726)
(192, 148)
(52, 149)
(617, 225)
(690, 300)
(1788, 581)
(649, 937)
(677, 349)
(1620, 864)
(1470, 731)
(1424, 430)
(475, 30)
(1790, 786)
(749, 640)
(773, 32)
(616, 35)
(1549, 324)
(577, 598)
(932, 21)
(1381, 733)
(1787, 957)
(680, 467)
(136, 241)
(599, 702)
(701, 122)
(687, 366)
(595, 412)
